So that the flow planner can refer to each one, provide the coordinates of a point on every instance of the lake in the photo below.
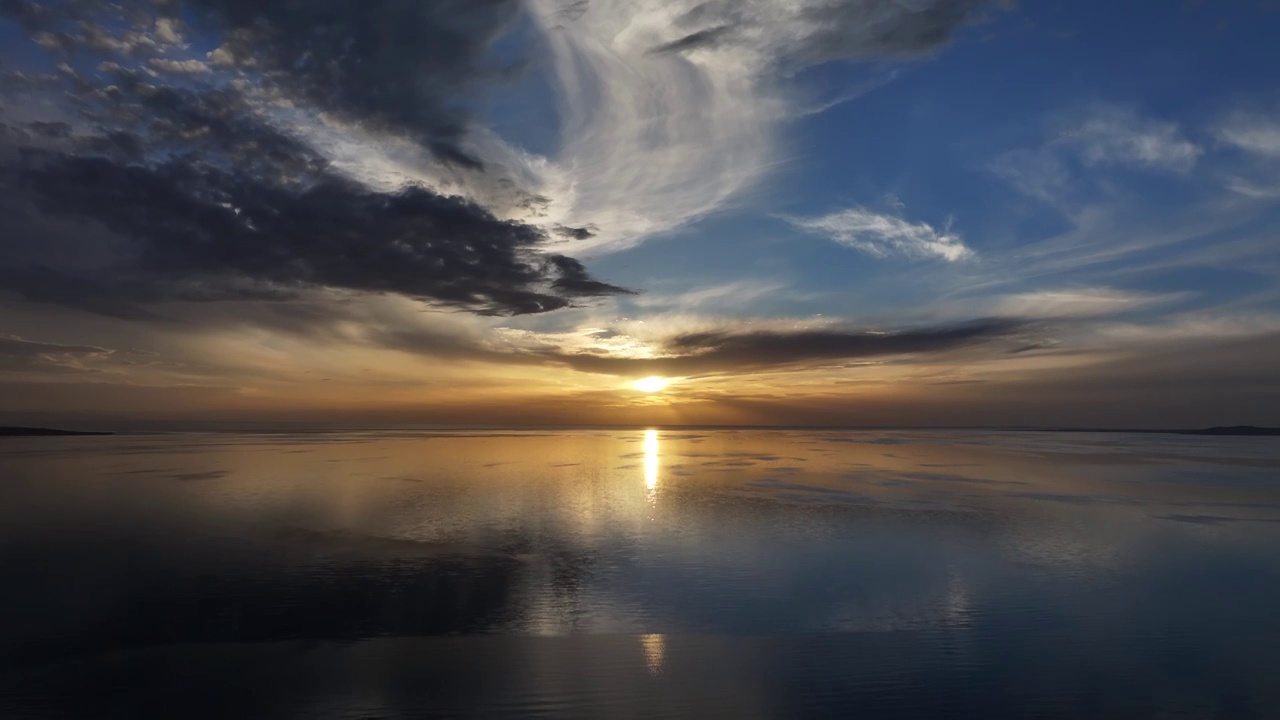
(742, 574)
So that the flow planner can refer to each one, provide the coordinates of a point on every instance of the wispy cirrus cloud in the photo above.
(738, 294)
(1078, 144)
(884, 235)
(1254, 133)
(1120, 136)
(1114, 220)
(24, 355)
(1256, 136)
(1079, 303)
(671, 108)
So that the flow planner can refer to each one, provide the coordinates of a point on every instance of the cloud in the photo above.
(203, 234)
(883, 235)
(1257, 137)
(1119, 227)
(1038, 173)
(1249, 189)
(1079, 303)
(51, 130)
(574, 233)
(701, 39)
(686, 345)
(397, 65)
(14, 346)
(1118, 136)
(671, 109)
(401, 66)
(1253, 134)
(1065, 166)
(572, 279)
(180, 67)
(198, 191)
(20, 354)
(737, 294)
(733, 351)
(819, 30)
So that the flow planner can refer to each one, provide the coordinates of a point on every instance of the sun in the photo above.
(651, 384)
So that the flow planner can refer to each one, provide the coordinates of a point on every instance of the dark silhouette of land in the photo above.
(42, 432)
(1232, 430)
(1235, 430)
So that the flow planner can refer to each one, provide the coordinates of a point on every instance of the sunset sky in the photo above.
(791, 212)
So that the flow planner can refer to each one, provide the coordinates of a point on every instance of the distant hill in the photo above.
(1222, 431)
(1232, 430)
(40, 432)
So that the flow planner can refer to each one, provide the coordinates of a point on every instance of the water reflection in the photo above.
(651, 462)
(655, 652)
(792, 574)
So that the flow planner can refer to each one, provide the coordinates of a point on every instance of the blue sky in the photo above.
(933, 138)
(824, 211)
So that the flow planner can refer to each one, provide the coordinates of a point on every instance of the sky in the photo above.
(680, 212)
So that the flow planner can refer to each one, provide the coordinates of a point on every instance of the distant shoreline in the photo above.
(1219, 431)
(1232, 431)
(43, 432)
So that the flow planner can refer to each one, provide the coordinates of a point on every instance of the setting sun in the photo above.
(621, 357)
(651, 384)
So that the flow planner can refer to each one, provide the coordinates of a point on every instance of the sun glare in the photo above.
(651, 384)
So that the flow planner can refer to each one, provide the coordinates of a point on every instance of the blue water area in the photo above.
(640, 574)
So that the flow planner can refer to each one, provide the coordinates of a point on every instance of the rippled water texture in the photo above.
(640, 574)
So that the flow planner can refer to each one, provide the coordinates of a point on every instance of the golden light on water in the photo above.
(651, 460)
(651, 384)
(655, 652)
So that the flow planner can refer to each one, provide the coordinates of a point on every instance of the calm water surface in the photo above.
(640, 574)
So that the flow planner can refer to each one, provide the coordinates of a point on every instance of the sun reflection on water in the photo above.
(655, 652)
(651, 462)
(651, 459)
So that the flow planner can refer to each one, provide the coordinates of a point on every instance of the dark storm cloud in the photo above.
(401, 65)
(53, 130)
(404, 66)
(190, 191)
(201, 233)
(733, 351)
